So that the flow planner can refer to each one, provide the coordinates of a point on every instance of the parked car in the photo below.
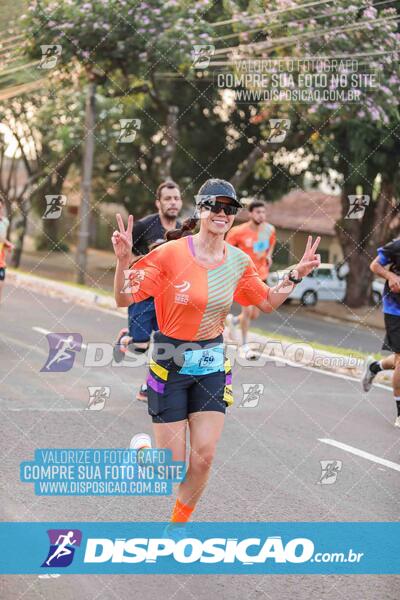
(328, 282)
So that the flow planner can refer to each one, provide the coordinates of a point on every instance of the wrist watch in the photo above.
(292, 278)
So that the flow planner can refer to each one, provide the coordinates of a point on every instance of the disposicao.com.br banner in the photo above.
(200, 548)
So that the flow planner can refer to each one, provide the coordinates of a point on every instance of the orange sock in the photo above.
(181, 512)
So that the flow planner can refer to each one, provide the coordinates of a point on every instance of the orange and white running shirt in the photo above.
(3, 251)
(191, 300)
(256, 243)
(4, 223)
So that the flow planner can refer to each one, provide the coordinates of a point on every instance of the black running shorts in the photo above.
(392, 338)
(173, 394)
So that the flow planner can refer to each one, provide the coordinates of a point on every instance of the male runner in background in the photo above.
(387, 266)
(257, 238)
(148, 231)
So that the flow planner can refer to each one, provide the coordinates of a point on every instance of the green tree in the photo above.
(356, 141)
(114, 43)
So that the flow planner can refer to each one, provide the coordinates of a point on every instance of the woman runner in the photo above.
(194, 279)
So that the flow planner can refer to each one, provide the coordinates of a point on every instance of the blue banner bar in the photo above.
(200, 548)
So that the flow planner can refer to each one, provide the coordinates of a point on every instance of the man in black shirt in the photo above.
(387, 266)
(148, 232)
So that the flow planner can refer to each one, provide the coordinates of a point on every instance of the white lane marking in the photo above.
(46, 332)
(362, 453)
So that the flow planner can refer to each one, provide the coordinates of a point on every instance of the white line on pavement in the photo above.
(46, 332)
(362, 453)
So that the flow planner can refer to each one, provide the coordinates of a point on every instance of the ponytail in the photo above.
(188, 226)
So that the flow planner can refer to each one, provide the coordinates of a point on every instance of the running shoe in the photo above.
(121, 345)
(367, 375)
(397, 422)
(231, 322)
(142, 393)
(140, 441)
(249, 353)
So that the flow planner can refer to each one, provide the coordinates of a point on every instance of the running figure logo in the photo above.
(50, 56)
(129, 128)
(132, 280)
(62, 547)
(279, 129)
(98, 396)
(62, 349)
(329, 471)
(201, 55)
(357, 206)
(54, 206)
(252, 393)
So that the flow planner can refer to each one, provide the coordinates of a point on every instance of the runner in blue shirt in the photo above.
(387, 266)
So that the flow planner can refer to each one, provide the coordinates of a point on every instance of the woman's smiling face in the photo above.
(217, 222)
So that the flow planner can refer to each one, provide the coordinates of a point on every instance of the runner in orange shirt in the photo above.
(194, 280)
(257, 238)
(5, 246)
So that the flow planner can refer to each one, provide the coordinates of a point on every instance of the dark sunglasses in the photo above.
(216, 207)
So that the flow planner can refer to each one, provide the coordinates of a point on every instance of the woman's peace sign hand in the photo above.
(310, 259)
(122, 240)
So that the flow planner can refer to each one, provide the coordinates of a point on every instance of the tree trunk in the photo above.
(50, 239)
(167, 152)
(359, 279)
(87, 171)
(20, 231)
(360, 239)
(246, 167)
(385, 212)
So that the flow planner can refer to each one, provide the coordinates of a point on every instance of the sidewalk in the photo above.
(61, 266)
(368, 316)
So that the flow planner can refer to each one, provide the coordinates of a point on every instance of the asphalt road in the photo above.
(293, 320)
(267, 466)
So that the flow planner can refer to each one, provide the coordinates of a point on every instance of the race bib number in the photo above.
(261, 246)
(203, 361)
